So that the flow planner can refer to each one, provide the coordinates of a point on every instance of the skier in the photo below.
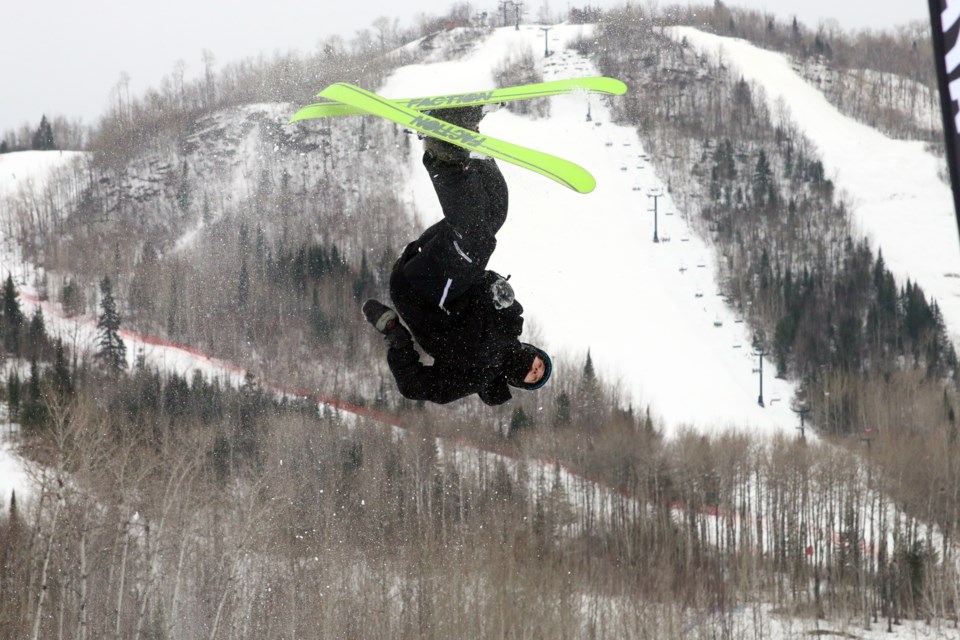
(460, 313)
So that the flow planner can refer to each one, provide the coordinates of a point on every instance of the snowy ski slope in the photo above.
(585, 266)
(898, 199)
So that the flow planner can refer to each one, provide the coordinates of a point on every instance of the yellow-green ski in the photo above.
(597, 84)
(567, 173)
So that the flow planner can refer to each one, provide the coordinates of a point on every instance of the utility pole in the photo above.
(760, 352)
(517, 7)
(802, 411)
(546, 47)
(655, 193)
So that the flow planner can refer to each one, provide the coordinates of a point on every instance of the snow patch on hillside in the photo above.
(898, 199)
(585, 267)
(29, 169)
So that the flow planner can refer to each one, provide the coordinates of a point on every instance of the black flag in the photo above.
(945, 22)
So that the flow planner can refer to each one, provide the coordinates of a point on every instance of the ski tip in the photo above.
(581, 180)
(302, 114)
(617, 87)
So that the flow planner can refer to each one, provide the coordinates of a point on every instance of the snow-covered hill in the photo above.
(899, 200)
(586, 268)
(29, 170)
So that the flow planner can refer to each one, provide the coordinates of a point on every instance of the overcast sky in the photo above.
(63, 57)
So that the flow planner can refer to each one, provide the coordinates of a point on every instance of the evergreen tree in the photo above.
(13, 319)
(43, 138)
(62, 378)
(13, 396)
(4, 147)
(32, 411)
(589, 376)
(519, 420)
(112, 351)
(563, 409)
(243, 287)
(715, 191)
(761, 178)
(184, 195)
(173, 316)
(71, 298)
(14, 512)
(36, 334)
(589, 396)
(363, 281)
(322, 325)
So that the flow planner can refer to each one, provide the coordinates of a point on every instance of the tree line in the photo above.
(50, 134)
(181, 508)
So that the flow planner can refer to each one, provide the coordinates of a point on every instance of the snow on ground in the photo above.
(29, 169)
(14, 475)
(585, 267)
(898, 198)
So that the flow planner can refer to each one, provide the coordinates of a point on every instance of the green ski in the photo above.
(600, 85)
(562, 171)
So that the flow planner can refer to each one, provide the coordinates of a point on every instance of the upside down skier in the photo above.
(460, 313)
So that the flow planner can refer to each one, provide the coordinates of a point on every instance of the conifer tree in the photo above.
(43, 138)
(36, 333)
(13, 320)
(519, 420)
(363, 281)
(112, 351)
(62, 379)
(589, 393)
(71, 298)
(563, 409)
(589, 377)
(32, 412)
(243, 287)
(13, 395)
(173, 315)
(184, 195)
(14, 513)
(761, 178)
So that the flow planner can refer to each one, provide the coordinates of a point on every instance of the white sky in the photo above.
(63, 57)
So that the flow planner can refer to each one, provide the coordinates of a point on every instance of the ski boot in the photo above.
(463, 117)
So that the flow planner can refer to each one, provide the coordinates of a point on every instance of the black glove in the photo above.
(397, 337)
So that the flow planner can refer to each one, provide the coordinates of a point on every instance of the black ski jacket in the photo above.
(470, 343)
(442, 291)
